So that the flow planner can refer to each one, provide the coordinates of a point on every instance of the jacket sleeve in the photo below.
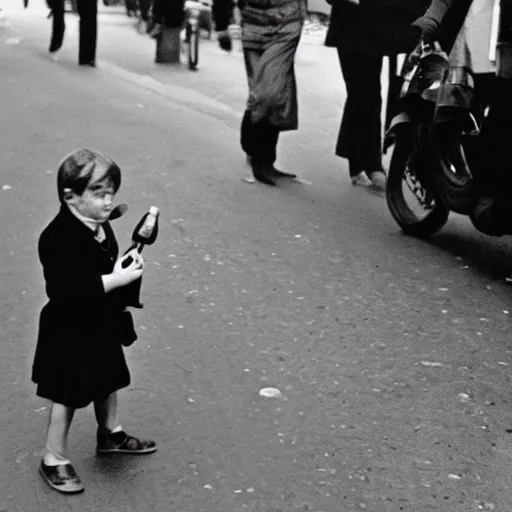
(68, 275)
(433, 17)
(222, 11)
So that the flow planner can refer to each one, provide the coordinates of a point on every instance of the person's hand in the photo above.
(131, 272)
(427, 28)
(224, 40)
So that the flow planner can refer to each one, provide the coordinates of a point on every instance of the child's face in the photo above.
(96, 201)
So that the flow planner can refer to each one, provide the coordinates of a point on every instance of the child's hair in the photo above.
(76, 169)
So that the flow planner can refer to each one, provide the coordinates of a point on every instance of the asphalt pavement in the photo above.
(392, 355)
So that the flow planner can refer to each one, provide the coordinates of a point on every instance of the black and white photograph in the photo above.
(257, 255)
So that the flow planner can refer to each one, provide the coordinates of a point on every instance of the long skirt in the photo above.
(272, 87)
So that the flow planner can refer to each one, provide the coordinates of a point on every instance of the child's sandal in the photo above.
(62, 478)
(121, 442)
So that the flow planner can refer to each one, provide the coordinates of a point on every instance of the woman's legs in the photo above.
(360, 138)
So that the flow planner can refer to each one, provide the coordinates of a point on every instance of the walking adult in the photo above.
(58, 24)
(363, 33)
(88, 16)
(271, 31)
(88, 13)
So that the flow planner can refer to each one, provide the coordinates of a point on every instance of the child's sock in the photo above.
(106, 431)
(50, 459)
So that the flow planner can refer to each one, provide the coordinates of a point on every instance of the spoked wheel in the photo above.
(193, 48)
(414, 208)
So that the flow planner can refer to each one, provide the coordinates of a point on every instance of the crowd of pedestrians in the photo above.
(363, 33)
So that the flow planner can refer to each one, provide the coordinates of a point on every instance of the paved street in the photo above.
(392, 355)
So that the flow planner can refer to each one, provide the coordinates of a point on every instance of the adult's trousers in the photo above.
(360, 135)
(88, 13)
(58, 25)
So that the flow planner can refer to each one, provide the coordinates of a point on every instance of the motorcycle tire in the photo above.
(404, 216)
(193, 49)
(454, 183)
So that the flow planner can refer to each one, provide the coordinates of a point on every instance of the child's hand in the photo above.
(132, 271)
(123, 276)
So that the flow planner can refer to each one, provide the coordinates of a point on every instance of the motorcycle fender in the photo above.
(390, 136)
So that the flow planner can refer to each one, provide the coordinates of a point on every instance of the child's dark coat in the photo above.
(79, 356)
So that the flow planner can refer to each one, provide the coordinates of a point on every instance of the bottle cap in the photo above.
(153, 210)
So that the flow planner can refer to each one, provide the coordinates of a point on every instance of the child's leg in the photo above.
(58, 430)
(106, 414)
(111, 437)
(55, 467)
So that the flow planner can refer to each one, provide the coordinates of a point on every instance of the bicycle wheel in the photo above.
(193, 48)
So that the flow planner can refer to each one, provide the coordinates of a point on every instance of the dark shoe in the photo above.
(90, 63)
(54, 47)
(276, 173)
(262, 173)
(62, 478)
(121, 442)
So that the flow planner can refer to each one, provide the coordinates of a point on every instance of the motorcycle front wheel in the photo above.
(454, 181)
(412, 205)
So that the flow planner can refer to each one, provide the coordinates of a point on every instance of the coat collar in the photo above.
(74, 223)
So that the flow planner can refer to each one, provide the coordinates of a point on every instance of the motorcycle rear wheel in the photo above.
(402, 170)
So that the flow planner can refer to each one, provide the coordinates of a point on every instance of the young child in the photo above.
(79, 356)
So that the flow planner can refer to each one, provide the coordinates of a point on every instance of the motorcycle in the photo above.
(431, 173)
(436, 165)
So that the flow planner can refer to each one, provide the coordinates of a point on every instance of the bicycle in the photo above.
(197, 14)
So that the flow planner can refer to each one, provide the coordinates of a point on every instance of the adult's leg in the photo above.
(58, 25)
(248, 134)
(272, 104)
(480, 150)
(489, 156)
(359, 138)
(88, 12)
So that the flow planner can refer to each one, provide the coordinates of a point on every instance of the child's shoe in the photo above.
(121, 442)
(62, 478)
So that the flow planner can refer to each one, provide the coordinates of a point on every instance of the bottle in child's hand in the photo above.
(145, 233)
